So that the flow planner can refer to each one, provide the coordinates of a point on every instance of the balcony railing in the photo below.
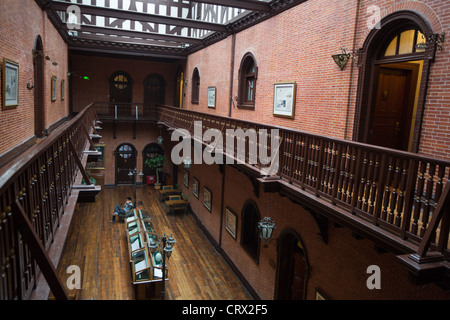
(404, 193)
(34, 192)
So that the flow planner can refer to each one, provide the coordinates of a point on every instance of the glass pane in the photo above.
(406, 42)
(250, 89)
(390, 51)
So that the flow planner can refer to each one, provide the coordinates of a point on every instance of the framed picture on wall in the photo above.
(63, 89)
(10, 80)
(284, 99)
(186, 178)
(211, 97)
(53, 88)
(99, 163)
(207, 198)
(230, 222)
(195, 187)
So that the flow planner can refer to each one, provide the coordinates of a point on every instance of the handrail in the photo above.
(35, 189)
(391, 189)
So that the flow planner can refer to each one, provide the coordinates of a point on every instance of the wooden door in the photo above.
(292, 269)
(391, 122)
(125, 162)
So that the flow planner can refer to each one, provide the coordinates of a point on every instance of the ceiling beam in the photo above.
(138, 16)
(136, 34)
(252, 5)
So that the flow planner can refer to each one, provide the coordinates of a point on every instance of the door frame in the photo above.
(278, 284)
(368, 60)
(116, 156)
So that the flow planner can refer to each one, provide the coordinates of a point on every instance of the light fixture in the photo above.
(341, 59)
(187, 162)
(433, 38)
(266, 227)
(159, 140)
(168, 244)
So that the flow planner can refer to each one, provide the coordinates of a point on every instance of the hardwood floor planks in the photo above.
(99, 248)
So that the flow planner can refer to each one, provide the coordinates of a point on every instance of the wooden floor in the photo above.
(99, 248)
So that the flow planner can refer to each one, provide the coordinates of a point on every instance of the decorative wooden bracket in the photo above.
(30, 237)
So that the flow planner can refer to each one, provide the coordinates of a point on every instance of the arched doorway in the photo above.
(154, 90)
(394, 71)
(292, 267)
(151, 151)
(249, 230)
(126, 155)
(38, 66)
(120, 92)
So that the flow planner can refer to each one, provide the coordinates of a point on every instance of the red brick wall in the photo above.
(297, 45)
(338, 268)
(21, 21)
(100, 69)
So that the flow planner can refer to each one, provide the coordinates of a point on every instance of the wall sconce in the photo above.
(29, 86)
(341, 58)
(434, 38)
(159, 140)
(187, 163)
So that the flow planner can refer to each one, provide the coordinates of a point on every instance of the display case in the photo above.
(144, 215)
(141, 267)
(133, 227)
(157, 265)
(136, 241)
(131, 216)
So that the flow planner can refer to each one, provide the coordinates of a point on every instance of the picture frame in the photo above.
(10, 80)
(53, 88)
(100, 161)
(211, 97)
(186, 178)
(63, 89)
(207, 199)
(230, 222)
(195, 187)
(319, 295)
(284, 99)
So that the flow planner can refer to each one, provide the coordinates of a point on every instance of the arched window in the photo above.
(120, 88)
(247, 82)
(405, 42)
(195, 86)
(249, 233)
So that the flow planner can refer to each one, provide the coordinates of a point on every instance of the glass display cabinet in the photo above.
(136, 241)
(157, 264)
(133, 227)
(141, 266)
(144, 215)
(131, 217)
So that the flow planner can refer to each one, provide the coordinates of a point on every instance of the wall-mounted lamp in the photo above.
(29, 86)
(434, 38)
(341, 58)
(187, 162)
(266, 227)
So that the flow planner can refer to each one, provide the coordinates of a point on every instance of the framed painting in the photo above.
(207, 198)
(99, 163)
(53, 88)
(211, 97)
(284, 99)
(186, 178)
(195, 187)
(10, 79)
(63, 89)
(230, 222)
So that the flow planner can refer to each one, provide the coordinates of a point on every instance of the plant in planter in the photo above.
(157, 164)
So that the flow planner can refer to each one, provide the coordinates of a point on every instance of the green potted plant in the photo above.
(157, 164)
